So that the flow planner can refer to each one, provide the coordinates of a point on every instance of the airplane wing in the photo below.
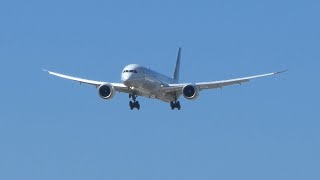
(117, 86)
(216, 84)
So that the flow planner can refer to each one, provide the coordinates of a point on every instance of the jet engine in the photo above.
(190, 91)
(106, 91)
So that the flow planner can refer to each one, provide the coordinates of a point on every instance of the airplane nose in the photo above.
(126, 77)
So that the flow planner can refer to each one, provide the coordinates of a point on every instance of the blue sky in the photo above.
(52, 128)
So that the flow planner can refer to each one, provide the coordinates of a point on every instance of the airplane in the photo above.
(141, 81)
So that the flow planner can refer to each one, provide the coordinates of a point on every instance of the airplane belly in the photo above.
(150, 87)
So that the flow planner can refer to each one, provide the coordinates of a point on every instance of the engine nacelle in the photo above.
(190, 91)
(106, 91)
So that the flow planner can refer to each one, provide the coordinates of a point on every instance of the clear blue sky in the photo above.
(52, 128)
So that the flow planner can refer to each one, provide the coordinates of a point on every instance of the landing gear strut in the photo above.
(134, 103)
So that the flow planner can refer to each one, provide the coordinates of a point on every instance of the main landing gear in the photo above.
(175, 104)
(135, 103)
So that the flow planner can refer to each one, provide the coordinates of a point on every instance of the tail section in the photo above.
(177, 68)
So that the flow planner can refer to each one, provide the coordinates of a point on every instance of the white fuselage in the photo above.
(146, 82)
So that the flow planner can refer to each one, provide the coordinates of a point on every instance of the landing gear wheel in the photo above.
(131, 105)
(137, 105)
(174, 105)
(178, 105)
(134, 104)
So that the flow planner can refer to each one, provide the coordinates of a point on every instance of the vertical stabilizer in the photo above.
(177, 68)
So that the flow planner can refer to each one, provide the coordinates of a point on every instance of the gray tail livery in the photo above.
(177, 68)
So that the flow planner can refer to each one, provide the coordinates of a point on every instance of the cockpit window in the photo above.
(132, 71)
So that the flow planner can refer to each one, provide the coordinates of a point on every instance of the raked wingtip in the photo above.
(279, 72)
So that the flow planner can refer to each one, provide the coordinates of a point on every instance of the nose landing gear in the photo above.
(134, 103)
